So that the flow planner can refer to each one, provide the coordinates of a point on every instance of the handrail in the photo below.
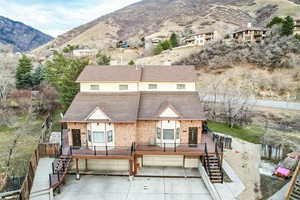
(219, 161)
(207, 166)
(102, 150)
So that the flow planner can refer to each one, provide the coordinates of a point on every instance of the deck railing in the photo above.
(171, 147)
(101, 151)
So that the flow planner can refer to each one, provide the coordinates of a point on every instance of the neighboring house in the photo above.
(201, 38)
(250, 34)
(297, 27)
(126, 117)
(85, 52)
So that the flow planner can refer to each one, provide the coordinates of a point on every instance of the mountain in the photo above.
(20, 36)
(161, 17)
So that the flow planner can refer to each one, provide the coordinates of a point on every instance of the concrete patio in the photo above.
(140, 188)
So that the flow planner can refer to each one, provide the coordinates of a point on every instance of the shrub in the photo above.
(102, 59)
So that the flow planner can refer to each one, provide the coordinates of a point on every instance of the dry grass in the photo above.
(281, 84)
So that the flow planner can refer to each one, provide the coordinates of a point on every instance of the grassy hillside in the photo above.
(21, 138)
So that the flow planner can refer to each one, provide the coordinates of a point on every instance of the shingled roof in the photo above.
(110, 74)
(147, 73)
(119, 107)
(130, 107)
(186, 104)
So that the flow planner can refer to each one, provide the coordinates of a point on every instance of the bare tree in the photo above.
(232, 104)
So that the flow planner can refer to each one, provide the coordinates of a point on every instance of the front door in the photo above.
(76, 137)
(193, 135)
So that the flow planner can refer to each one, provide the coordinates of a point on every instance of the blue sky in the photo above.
(55, 17)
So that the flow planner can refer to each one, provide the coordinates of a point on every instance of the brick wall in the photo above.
(145, 132)
(142, 132)
(83, 132)
(184, 130)
(125, 134)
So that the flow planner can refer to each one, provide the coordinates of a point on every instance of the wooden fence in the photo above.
(43, 150)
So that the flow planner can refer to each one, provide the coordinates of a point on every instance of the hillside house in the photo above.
(200, 39)
(85, 52)
(250, 34)
(297, 27)
(127, 118)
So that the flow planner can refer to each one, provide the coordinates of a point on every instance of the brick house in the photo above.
(149, 116)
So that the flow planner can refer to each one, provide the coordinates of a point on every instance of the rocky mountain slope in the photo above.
(20, 36)
(161, 17)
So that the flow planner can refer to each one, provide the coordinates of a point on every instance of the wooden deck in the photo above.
(125, 152)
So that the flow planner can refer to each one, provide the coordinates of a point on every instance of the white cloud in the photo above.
(55, 19)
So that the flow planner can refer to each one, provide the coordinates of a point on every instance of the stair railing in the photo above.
(207, 161)
(219, 161)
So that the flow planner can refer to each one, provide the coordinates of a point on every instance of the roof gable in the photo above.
(97, 114)
(169, 112)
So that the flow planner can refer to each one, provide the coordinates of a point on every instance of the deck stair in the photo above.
(295, 193)
(213, 166)
(214, 169)
(59, 170)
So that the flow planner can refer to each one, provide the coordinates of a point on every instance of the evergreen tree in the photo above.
(62, 73)
(275, 20)
(37, 76)
(157, 50)
(23, 76)
(131, 63)
(173, 40)
(287, 26)
(165, 45)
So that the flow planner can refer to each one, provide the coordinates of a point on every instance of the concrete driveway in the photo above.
(91, 187)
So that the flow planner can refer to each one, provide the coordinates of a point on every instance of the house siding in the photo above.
(125, 134)
(142, 132)
(184, 130)
(145, 132)
(83, 132)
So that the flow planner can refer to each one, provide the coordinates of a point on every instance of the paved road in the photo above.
(265, 103)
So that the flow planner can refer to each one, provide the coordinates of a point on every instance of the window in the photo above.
(177, 133)
(89, 136)
(168, 134)
(152, 86)
(109, 136)
(158, 132)
(123, 87)
(94, 87)
(180, 86)
(98, 136)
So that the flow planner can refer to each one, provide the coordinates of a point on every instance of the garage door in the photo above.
(103, 165)
(114, 165)
(163, 160)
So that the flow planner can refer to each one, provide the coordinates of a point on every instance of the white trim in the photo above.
(97, 114)
(168, 112)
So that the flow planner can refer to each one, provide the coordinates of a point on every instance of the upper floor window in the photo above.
(94, 87)
(123, 87)
(180, 86)
(152, 86)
